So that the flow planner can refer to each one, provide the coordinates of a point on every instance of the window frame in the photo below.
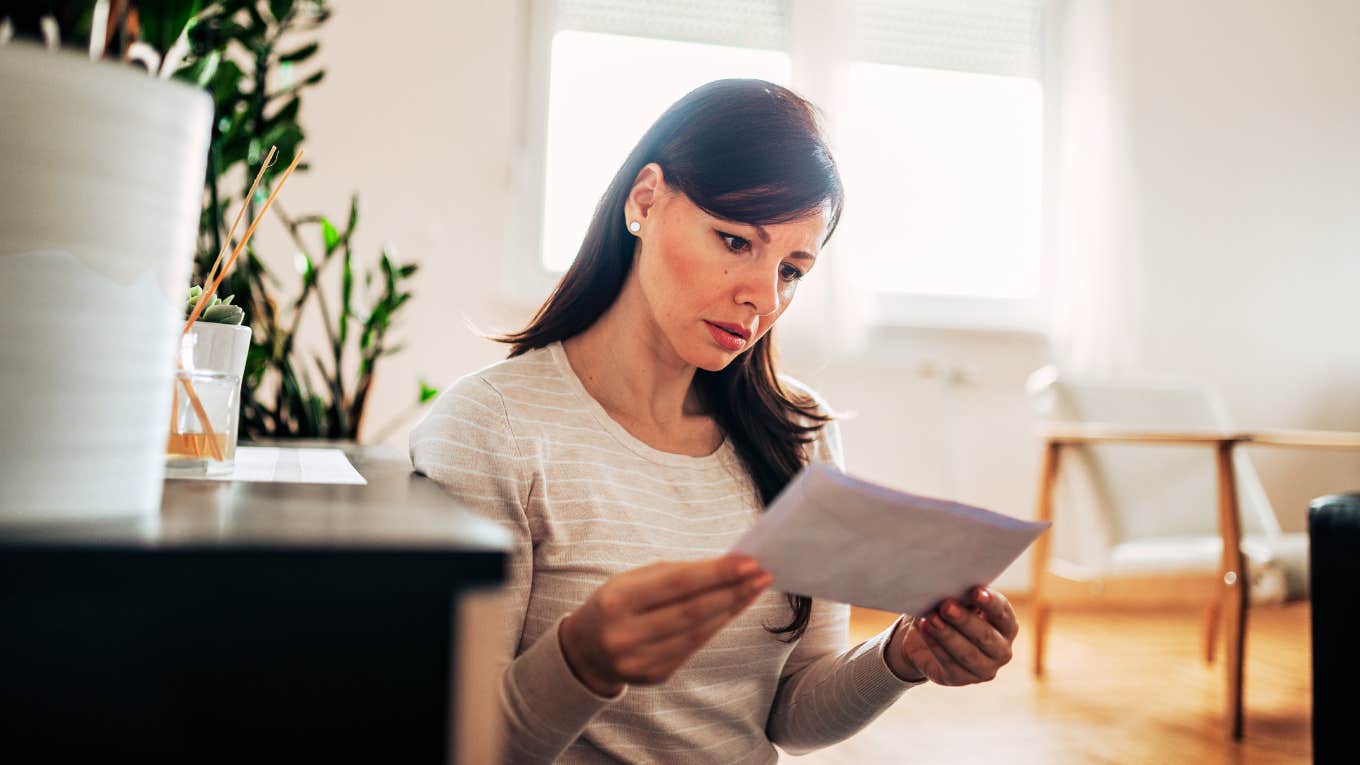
(817, 46)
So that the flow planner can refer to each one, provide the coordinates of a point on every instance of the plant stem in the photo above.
(291, 227)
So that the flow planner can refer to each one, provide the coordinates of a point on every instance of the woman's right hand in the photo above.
(642, 625)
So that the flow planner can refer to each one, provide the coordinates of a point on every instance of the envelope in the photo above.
(833, 536)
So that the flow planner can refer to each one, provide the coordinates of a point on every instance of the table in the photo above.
(256, 620)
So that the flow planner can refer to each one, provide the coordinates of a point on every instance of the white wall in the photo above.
(1245, 131)
(1244, 119)
(416, 115)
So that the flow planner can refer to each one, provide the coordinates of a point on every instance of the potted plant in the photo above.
(258, 60)
(104, 162)
(217, 340)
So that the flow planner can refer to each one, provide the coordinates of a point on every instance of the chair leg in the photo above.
(1212, 614)
(1041, 615)
(1048, 474)
(1235, 653)
(1235, 583)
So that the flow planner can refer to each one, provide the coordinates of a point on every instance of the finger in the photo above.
(960, 648)
(684, 615)
(673, 650)
(998, 610)
(977, 629)
(653, 586)
(947, 667)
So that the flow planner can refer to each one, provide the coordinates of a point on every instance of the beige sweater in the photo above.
(523, 443)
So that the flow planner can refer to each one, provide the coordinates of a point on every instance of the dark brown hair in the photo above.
(743, 150)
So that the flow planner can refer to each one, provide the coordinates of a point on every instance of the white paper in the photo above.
(272, 464)
(829, 535)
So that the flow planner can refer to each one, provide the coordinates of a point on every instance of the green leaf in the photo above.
(162, 21)
(389, 273)
(226, 81)
(346, 293)
(280, 9)
(353, 213)
(427, 392)
(406, 270)
(223, 314)
(288, 113)
(316, 413)
(329, 235)
(202, 72)
(286, 137)
(305, 267)
(299, 55)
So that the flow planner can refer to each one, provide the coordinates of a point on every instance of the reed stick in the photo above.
(198, 308)
(203, 298)
(231, 234)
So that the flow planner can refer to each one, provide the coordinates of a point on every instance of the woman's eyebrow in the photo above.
(765, 237)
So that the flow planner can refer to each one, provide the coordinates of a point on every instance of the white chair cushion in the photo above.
(1277, 565)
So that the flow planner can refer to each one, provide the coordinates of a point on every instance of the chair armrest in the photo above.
(1317, 439)
(1090, 433)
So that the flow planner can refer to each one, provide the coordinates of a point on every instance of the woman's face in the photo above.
(715, 286)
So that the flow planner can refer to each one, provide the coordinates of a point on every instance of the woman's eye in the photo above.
(734, 243)
(790, 273)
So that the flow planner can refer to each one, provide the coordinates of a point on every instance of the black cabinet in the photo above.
(1333, 572)
(251, 622)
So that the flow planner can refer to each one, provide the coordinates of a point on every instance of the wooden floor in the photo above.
(1121, 687)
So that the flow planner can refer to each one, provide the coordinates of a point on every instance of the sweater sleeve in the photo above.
(827, 690)
(467, 445)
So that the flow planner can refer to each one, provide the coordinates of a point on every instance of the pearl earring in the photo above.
(635, 227)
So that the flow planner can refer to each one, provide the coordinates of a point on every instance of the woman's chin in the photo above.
(707, 355)
(713, 359)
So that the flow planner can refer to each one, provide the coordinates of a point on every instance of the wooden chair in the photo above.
(1137, 525)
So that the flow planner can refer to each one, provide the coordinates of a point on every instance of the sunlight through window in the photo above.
(943, 174)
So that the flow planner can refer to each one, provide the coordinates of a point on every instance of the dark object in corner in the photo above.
(1334, 573)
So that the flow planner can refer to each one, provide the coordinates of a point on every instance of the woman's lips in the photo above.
(726, 339)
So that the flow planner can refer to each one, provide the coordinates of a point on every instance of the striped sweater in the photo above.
(523, 443)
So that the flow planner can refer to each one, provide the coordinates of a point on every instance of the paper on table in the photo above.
(829, 535)
(271, 464)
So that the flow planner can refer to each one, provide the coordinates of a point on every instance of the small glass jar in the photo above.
(203, 397)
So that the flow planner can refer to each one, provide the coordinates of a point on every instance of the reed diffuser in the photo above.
(213, 347)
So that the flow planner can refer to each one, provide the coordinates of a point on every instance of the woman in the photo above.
(631, 438)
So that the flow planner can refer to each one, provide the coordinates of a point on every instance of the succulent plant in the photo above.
(218, 311)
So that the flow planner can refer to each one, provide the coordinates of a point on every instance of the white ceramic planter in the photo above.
(216, 347)
(101, 174)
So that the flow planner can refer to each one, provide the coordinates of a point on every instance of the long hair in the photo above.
(743, 150)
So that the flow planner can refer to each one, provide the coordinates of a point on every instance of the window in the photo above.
(935, 109)
(946, 180)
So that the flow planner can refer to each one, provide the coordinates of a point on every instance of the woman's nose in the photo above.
(760, 288)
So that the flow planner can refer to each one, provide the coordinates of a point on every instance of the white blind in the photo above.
(736, 23)
(983, 36)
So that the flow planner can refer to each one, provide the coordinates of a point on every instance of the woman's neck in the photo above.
(627, 364)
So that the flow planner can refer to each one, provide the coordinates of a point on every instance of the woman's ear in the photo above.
(647, 188)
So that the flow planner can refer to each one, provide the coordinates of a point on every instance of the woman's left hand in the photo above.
(957, 643)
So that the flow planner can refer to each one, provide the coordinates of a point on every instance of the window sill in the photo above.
(895, 312)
